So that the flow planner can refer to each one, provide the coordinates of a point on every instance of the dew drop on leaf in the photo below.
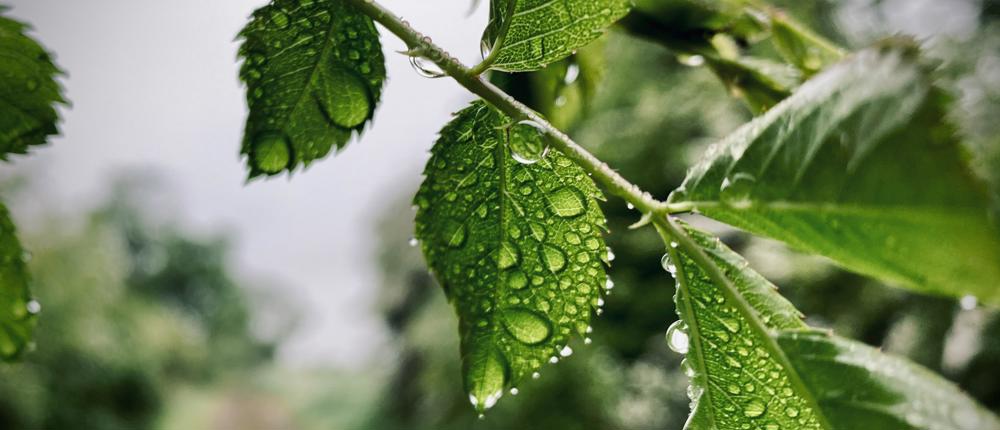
(526, 326)
(677, 337)
(526, 140)
(754, 408)
(553, 258)
(270, 152)
(566, 202)
(486, 377)
(517, 280)
(343, 95)
(508, 255)
(668, 264)
(572, 74)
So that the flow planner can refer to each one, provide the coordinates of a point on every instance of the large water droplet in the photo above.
(527, 143)
(486, 376)
(566, 351)
(33, 307)
(552, 258)
(566, 202)
(508, 255)
(677, 337)
(517, 280)
(572, 74)
(668, 264)
(343, 95)
(454, 234)
(754, 408)
(425, 67)
(968, 302)
(270, 152)
(691, 60)
(526, 326)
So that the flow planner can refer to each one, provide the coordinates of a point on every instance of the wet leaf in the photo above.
(17, 309)
(859, 165)
(29, 92)
(755, 365)
(314, 73)
(517, 244)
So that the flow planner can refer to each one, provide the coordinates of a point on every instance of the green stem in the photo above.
(470, 79)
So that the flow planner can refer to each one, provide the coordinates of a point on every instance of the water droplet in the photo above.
(552, 258)
(677, 337)
(343, 95)
(526, 140)
(609, 284)
(553, 359)
(33, 307)
(792, 412)
(508, 255)
(668, 264)
(735, 190)
(566, 202)
(526, 326)
(270, 152)
(572, 74)
(587, 341)
(454, 234)
(610, 256)
(536, 375)
(514, 391)
(487, 375)
(566, 351)
(413, 241)
(691, 60)
(517, 280)
(754, 408)
(968, 302)
(630, 206)
(425, 67)
(731, 324)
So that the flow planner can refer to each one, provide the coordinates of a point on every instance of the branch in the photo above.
(421, 45)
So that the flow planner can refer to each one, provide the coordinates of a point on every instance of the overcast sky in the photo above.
(154, 88)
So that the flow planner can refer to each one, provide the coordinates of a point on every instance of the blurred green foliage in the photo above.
(130, 310)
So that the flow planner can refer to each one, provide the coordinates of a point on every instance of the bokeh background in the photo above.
(177, 296)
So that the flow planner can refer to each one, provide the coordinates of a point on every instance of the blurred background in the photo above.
(177, 296)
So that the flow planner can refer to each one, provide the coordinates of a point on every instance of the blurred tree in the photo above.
(130, 310)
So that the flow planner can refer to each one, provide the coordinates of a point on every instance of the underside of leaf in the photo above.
(755, 365)
(517, 246)
(314, 73)
(29, 92)
(859, 165)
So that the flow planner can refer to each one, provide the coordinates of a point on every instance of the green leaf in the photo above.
(29, 92)
(17, 309)
(525, 35)
(314, 72)
(516, 246)
(761, 83)
(755, 365)
(859, 166)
